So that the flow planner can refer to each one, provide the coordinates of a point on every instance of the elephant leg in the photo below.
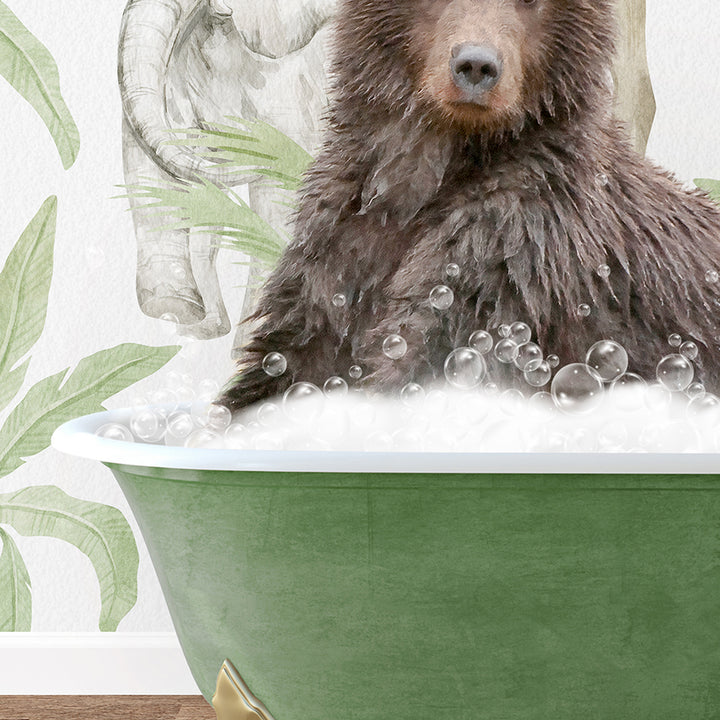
(203, 254)
(165, 283)
(634, 98)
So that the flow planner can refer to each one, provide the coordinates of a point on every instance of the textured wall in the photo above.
(92, 300)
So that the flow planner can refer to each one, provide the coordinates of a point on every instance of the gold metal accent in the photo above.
(233, 699)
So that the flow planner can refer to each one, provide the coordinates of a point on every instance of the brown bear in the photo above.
(480, 133)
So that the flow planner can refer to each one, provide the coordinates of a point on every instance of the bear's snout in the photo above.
(475, 69)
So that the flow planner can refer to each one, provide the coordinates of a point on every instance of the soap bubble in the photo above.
(441, 297)
(204, 438)
(355, 372)
(576, 388)
(675, 372)
(482, 341)
(703, 405)
(602, 179)
(465, 368)
(164, 401)
(603, 271)
(394, 347)
(529, 356)
(214, 417)
(335, 387)
(512, 402)
(675, 340)
(363, 413)
(506, 351)
(584, 310)
(236, 436)
(542, 402)
(412, 394)
(628, 391)
(504, 331)
(198, 411)
(695, 389)
(689, 349)
(452, 270)
(268, 414)
(612, 436)
(139, 403)
(172, 380)
(657, 397)
(608, 358)
(553, 360)
(208, 388)
(185, 395)
(302, 402)
(712, 276)
(538, 375)
(179, 425)
(339, 300)
(520, 333)
(274, 364)
(146, 425)
(115, 431)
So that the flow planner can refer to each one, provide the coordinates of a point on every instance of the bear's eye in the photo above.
(527, 2)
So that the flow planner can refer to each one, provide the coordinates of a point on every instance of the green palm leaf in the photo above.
(253, 146)
(11, 382)
(64, 396)
(15, 594)
(204, 206)
(30, 69)
(99, 531)
(711, 187)
(24, 288)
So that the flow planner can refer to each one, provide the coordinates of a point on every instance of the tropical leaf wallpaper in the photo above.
(99, 531)
(141, 205)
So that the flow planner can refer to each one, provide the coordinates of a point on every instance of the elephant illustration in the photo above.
(188, 63)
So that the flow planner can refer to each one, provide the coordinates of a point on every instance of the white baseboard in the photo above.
(93, 664)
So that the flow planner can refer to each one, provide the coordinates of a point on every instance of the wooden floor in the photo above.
(105, 707)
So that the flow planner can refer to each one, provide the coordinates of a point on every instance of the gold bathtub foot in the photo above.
(233, 699)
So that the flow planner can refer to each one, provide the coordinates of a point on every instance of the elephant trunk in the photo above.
(149, 33)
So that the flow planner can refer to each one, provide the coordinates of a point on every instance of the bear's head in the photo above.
(478, 65)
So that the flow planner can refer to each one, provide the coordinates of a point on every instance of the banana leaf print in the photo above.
(99, 531)
(15, 592)
(24, 287)
(28, 66)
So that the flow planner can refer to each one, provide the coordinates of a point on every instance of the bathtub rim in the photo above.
(77, 437)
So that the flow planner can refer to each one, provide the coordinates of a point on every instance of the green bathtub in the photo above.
(436, 587)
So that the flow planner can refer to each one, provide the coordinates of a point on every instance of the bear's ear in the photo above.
(407, 173)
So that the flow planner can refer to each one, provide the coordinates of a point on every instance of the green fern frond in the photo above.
(204, 207)
(254, 146)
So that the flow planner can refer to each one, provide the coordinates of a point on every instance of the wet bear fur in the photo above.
(529, 191)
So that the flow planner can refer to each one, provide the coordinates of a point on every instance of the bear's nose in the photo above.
(475, 68)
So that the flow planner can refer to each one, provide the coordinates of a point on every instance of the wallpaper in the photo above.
(125, 265)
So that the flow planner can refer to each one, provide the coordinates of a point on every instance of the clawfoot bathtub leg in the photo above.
(233, 699)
